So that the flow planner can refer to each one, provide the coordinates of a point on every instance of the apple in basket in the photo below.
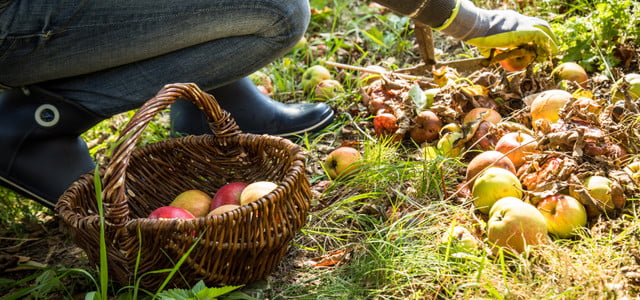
(256, 190)
(228, 194)
(196, 202)
(170, 212)
(222, 209)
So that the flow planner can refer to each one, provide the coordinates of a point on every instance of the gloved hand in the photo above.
(490, 29)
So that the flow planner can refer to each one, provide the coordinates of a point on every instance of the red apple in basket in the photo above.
(256, 190)
(170, 212)
(197, 202)
(228, 194)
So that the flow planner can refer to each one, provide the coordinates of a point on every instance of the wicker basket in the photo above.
(235, 248)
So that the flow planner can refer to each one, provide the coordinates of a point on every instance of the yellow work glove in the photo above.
(498, 29)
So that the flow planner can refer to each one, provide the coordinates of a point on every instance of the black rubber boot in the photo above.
(254, 112)
(41, 152)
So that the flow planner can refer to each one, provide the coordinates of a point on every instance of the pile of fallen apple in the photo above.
(194, 203)
(548, 153)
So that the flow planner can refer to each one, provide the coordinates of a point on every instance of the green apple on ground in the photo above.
(517, 145)
(487, 159)
(606, 193)
(459, 239)
(228, 194)
(547, 106)
(634, 87)
(196, 202)
(493, 184)
(342, 162)
(222, 209)
(515, 225)
(565, 215)
(256, 190)
(170, 212)
(571, 71)
(327, 89)
(314, 75)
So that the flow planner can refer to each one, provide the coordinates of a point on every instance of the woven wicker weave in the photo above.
(237, 247)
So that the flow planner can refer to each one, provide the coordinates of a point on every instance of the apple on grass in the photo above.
(256, 190)
(196, 202)
(514, 225)
(314, 75)
(342, 162)
(493, 184)
(565, 215)
(459, 240)
(327, 89)
(228, 194)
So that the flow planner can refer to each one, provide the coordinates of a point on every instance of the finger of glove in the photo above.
(545, 44)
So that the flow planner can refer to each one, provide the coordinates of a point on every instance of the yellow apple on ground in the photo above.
(606, 193)
(493, 184)
(228, 194)
(571, 71)
(342, 161)
(517, 145)
(486, 160)
(256, 190)
(459, 239)
(196, 202)
(514, 225)
(327, 89)
(313, 75)
(633, 170)
(634, 88)
(223, 209)
(547, 106)
(565, 215)
(482, 114)
(170, 212)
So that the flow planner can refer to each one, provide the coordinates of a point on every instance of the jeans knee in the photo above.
(294, 20)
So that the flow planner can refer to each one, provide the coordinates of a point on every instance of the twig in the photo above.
(367, 70)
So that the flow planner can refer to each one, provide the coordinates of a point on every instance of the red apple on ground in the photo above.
(228, 194)
(547, 106)
(517, 145)
(256, 190)
(196, 202)
(313, 75)
(514, 225)
(517, 63)
(571, 71)
(385, 124)
(486, 160)
(493, 184)
(222, 209)
(170, 212)
(342, 161)
(565, 215)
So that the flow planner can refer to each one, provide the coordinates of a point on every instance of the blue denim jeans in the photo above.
(111, 56)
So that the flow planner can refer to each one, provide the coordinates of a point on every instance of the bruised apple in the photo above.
(223, 209)
(486, 160)
(256, 190)
(547, 106)
(385, 124)
(228, 194)
(493, 184)
(427, 127)
(515, 225)
(196, 202)
(342, 161)
(516, 146)
(565, 215)
(170, 212)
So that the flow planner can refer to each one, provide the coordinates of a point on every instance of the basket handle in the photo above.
(116, 210)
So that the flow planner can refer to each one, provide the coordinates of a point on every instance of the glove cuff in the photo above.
(429, 12)
(466, 21)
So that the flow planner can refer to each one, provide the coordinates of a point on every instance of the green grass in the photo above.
(388, 219)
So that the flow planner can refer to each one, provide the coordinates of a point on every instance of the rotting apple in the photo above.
(565, 215)
(342, 162)
(486, 160)
(256, 190)
(493, 184)
(222, 209)
(327, 89)
(313, 75)
(228, 194)
(196, 202)
(170, 212)
(427, 127)
(515, 225)
(385, 124)
(516, 146)
(571, 71)
(518, 63)
(547, 106)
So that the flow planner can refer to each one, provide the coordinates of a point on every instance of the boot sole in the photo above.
(317, 127)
